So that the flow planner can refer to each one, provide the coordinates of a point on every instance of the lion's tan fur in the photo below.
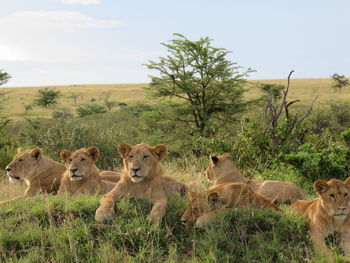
(328, 213)
(141, 178)
(222, 169)
(41, 174)
(204, 206)
(85, 178)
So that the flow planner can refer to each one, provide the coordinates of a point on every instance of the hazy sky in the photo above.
(52, 42)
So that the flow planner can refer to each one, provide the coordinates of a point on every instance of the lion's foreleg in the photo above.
(318, 240)
(158, 209)
(345, 242)
(106, 210)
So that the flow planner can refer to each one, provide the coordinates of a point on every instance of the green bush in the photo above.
(61, 113)
(89, 109)
(8, 148)
(325, 160)
(72, 134)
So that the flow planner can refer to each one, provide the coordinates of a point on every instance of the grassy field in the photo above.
(303, 89)
(63, 229)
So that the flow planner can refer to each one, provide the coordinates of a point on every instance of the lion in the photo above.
(141, 178)
(205, 206)
(41, 174)
(222, 169)
(82, 176)
(328, 213)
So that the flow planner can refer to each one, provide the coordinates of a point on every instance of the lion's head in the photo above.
(142, 161)
(23, 164)
(81, 163)
(200, 203)
(334, 196)
(219, 166)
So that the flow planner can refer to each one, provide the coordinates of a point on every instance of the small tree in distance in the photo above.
(4, 78)
(47, 97)
(339, 81)
(207, 86)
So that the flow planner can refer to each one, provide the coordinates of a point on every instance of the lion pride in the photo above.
(41, 174)
(204, 206)
(328, 213)
(141, 178)
(222, 169)
(82, 175)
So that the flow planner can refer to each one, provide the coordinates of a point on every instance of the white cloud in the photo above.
(64, 20)
(81, 2)
(49, 36)
(10, 53)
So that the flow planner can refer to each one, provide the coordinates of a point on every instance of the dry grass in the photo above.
(303, 89)
(10, 190)
(20, 96)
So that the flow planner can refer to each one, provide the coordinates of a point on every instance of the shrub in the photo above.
(89, 109)
(8, 148)
(325, 160)
(62, 113)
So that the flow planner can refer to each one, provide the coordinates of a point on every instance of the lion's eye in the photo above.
(130, 156)
(346, 195)
(20, 160)
(145, 157)
(82, 159)
(70, 160)
(332, 196)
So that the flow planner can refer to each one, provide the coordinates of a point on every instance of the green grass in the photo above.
(63, 229)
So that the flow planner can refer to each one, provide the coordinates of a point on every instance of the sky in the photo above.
(61, 42)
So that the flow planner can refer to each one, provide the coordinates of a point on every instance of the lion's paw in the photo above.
(104, 214)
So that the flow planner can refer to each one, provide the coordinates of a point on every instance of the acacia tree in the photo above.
(206, 85)
(47, 97)
(339, 81)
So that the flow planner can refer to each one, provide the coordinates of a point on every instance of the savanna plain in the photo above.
(50, 228)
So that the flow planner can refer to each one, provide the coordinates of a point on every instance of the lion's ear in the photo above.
(20, 150)
(124, 149)
(160, 150)
(213, 198)
(93, 152)
(214, 158)
(36, 153)
(320, 186)
(65, 154)
(347, 182)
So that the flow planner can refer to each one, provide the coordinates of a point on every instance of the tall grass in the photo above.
(63, 229)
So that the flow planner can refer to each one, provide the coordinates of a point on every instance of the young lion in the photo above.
(82, 175)
(222, 169)
(328, 213)
(141, 178)
(41, 174)
(204, 206)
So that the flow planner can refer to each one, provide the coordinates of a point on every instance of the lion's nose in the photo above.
(135, 170)
(8, 169)
(73, 170)
(183, 220)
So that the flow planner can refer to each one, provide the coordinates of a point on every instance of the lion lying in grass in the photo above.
(141, 178)
(82, 175)
(41, 174)
(205, 206)
(222, 169)
(328, 213)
